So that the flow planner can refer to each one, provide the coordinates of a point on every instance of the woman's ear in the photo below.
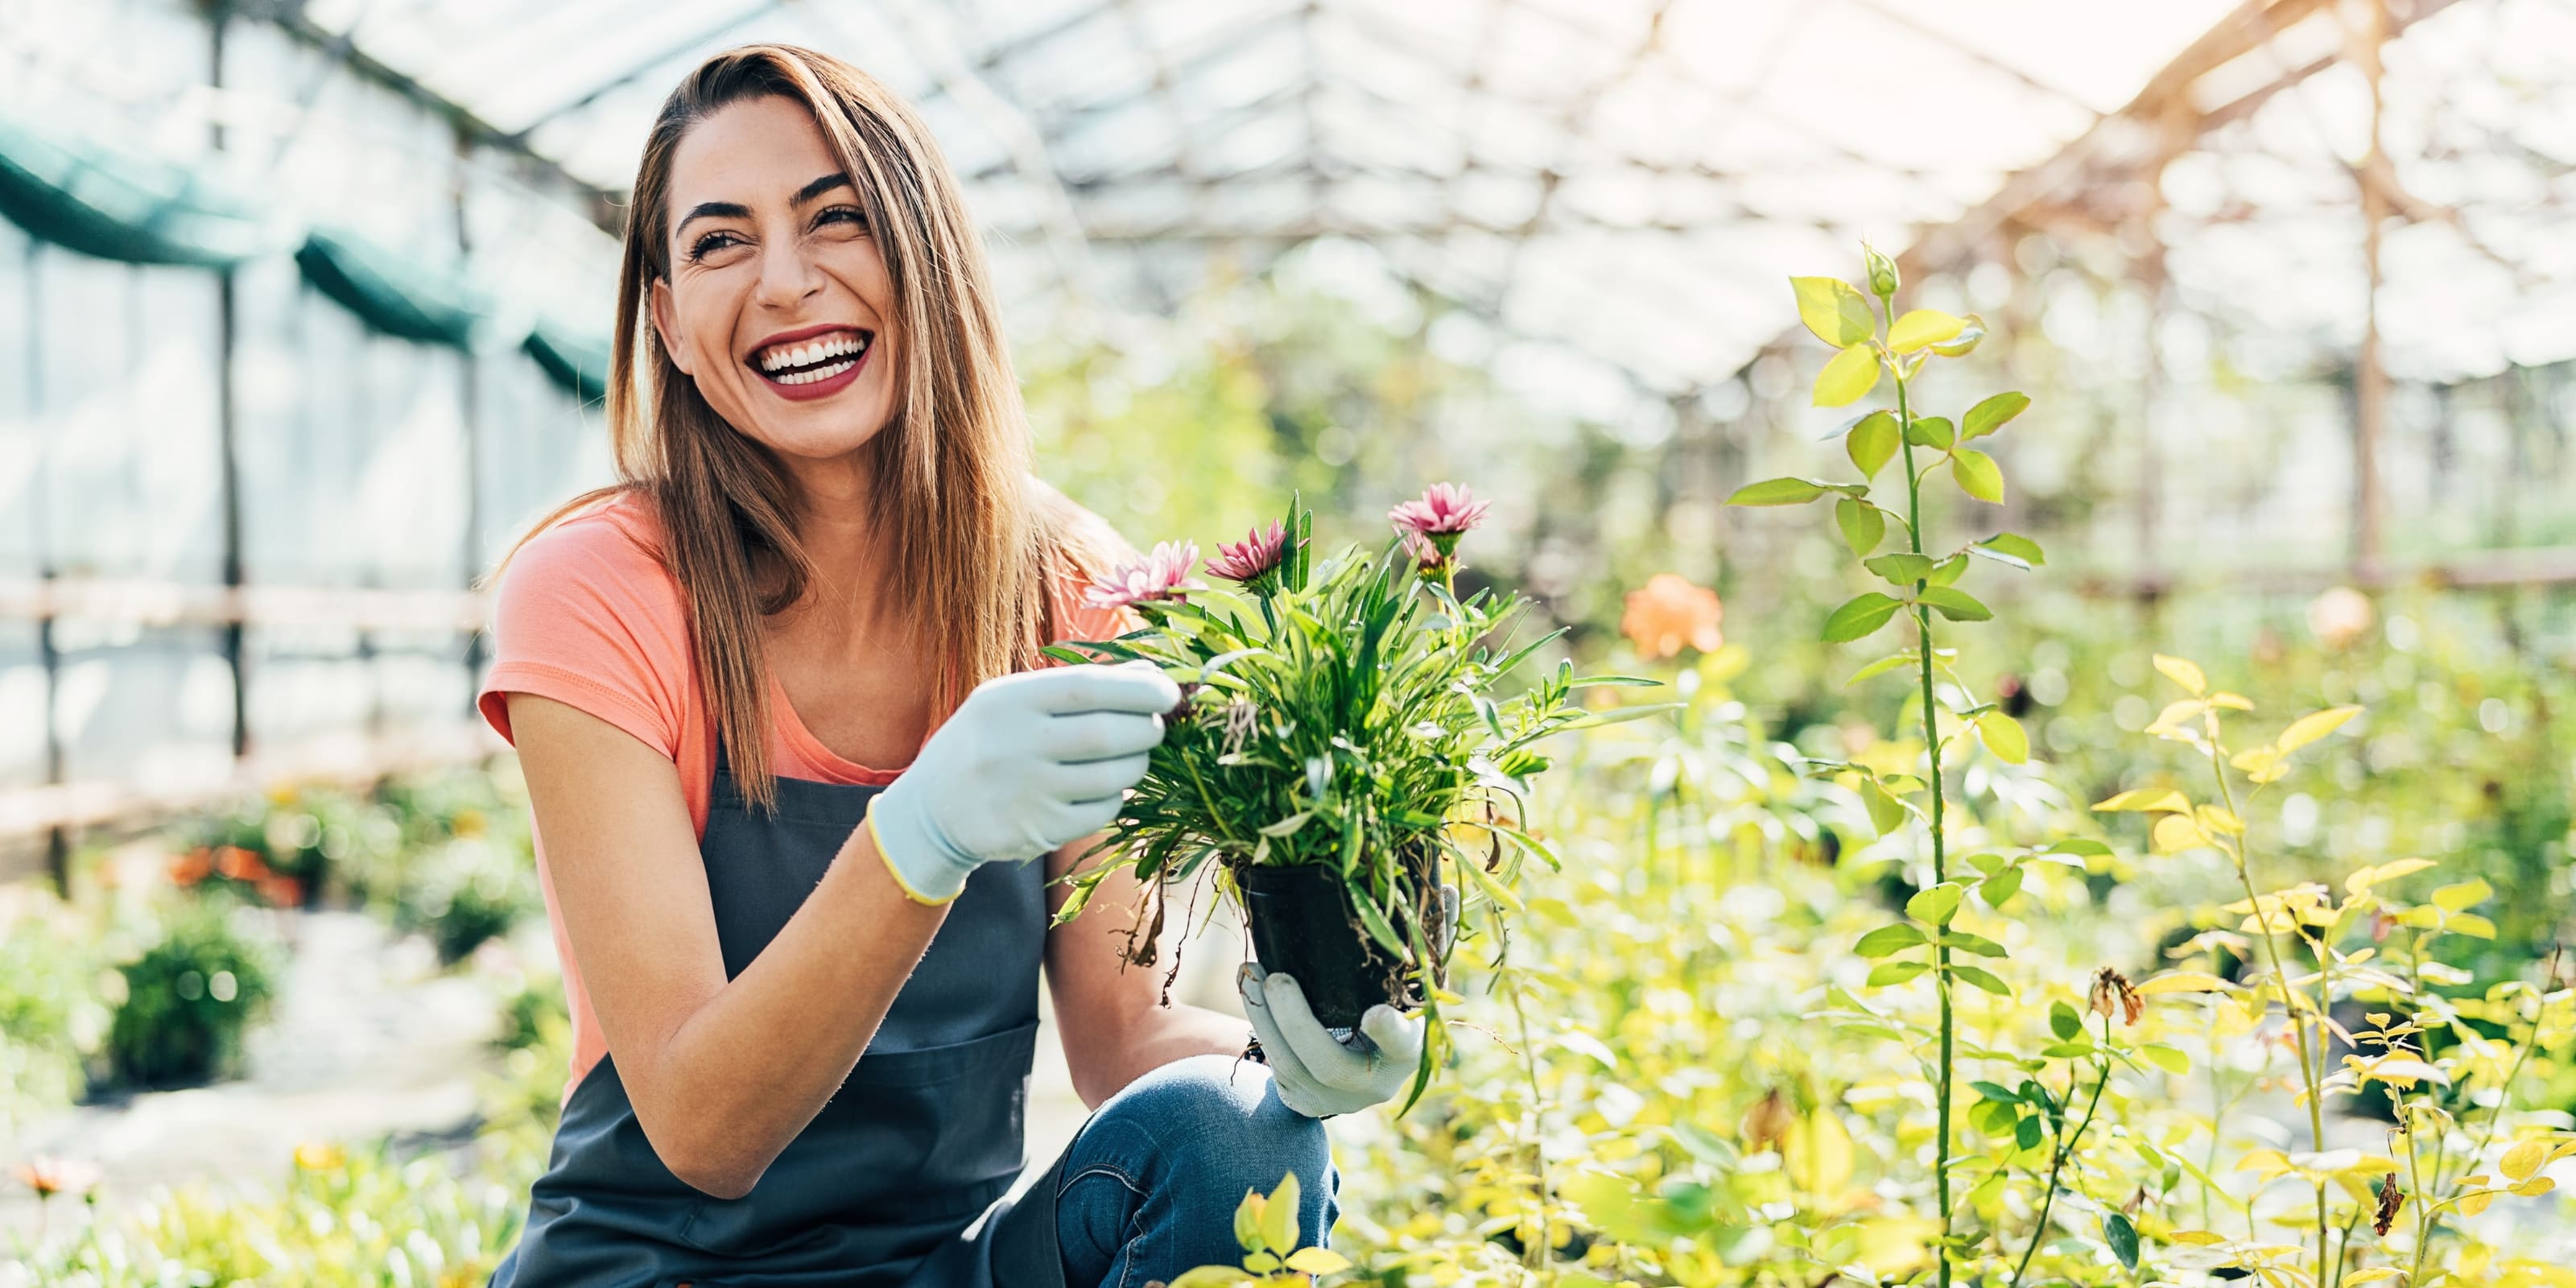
(672, 343)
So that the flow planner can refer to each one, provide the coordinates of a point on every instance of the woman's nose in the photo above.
(787, 273)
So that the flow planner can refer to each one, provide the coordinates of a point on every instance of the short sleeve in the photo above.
(588, 616)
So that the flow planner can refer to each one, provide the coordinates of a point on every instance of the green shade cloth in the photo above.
(395, 293)
(98, 200)
(577, 360)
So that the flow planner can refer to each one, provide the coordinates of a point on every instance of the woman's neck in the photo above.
(836, 522)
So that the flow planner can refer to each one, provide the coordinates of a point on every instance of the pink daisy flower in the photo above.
(1253, 558)
(1442, 509)
(1163, 574)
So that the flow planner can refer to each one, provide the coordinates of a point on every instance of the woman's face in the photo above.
(777, 302)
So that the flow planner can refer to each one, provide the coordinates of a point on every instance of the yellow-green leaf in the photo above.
(1924, 326)
(1988, 416)
(1318, 1261)
(2385, 872)
(2184, 982)
(1247, 1219)
(1214, 1277)
(1836, 313)
(1851, 374)
(1977, 475)
(1964, 343)
(1279, 1216)
(1781, 491)
(2524, 1159)
(2467, 894)
(2003, 736)
(1863, 525)
(1872, 443)
(2184, 672)
(2147, 798)
(2312, 726)
(2177, 832)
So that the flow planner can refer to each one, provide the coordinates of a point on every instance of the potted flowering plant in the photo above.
(1339, 750)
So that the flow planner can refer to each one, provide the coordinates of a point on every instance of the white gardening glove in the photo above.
(1320, 1075)
(1317, 1074)
(1028, 762)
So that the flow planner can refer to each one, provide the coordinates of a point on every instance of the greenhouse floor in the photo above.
(370, 1039)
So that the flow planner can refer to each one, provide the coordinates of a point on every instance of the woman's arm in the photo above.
(1108, 1013)
(722, 1074)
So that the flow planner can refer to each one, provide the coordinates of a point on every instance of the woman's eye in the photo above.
(708, 245)
(851, 215)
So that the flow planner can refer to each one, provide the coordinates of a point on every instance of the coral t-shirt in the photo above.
(588, 615)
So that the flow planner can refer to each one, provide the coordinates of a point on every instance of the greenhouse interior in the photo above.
(1780, 839)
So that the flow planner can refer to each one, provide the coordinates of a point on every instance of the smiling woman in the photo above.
(793, 754)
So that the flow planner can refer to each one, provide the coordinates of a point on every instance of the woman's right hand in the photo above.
(1029, 761)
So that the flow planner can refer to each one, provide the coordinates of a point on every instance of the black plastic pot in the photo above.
(1303, 925)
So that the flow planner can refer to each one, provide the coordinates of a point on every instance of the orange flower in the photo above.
(190, 868)
(281, 891)
(1669, 613)
(239, 864)
(49, 1176)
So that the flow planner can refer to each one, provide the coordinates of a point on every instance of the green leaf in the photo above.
(1863, 525)
(1965, 342)
(1979, 977)
(2464, 896)
(1318, 1261)
(1973, 943)
(2063, 1020)
(2312, 726)
(1859, 617)
(1933, 906)
(1888, 940)
(2001, 887)
(1881, 667)
(2169, 1059)
(1782, 491)
(2122, 1235)
(1871, 443)
(1903, 569)
(1955, 604)
(1977, 475)
(1947, 571)
(2007, 547)
(1851, 374)
(1887, 973)
(2003, 736)
(1923, 326)
(1931, 431)
(1247, 1219)
(1279, 1216)
(1836, 313)
(1375, 922)
(1885, 813)
(2029, 1131)
(1988, 416)
(1997, 1092)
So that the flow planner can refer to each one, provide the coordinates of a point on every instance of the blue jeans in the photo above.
(1152, 1179)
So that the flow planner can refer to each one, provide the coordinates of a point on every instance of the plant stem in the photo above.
(1940, 854)
(2065, 1148)
(1534, 1255)
(2281, 979)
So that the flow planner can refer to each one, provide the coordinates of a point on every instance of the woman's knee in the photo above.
(1217, 1121)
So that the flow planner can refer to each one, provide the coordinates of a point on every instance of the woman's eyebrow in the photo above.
(820, 186)
(736, 210)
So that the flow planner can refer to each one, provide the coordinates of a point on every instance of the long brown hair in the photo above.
(975, 543)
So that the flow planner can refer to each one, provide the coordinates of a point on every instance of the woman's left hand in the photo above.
(1317, 1074)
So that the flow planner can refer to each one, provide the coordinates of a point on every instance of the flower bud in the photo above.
(1882, 271)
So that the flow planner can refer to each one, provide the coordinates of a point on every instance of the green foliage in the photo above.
(189, 998)
(1266, 1226)
(1341, 714)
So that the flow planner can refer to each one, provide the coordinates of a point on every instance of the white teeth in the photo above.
(819, 373)
(800, 355)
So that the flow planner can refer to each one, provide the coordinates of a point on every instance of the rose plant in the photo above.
(1340, 732)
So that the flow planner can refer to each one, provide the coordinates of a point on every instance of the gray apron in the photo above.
(924, 1136)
